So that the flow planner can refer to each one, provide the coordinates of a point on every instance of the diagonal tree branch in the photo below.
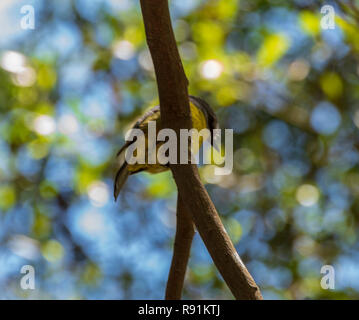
(175, 114)
(181, 251)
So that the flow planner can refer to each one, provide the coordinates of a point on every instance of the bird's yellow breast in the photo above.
(198, 119)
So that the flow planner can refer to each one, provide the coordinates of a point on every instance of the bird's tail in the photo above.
(121, 177)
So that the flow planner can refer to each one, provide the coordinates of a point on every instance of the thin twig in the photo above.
(181, 252)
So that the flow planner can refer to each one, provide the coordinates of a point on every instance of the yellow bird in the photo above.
(202, 117)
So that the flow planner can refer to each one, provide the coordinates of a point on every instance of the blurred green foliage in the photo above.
(72, 87)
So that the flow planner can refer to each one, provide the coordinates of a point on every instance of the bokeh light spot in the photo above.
(25, 78)
(309, 22)
(332, 85)
(307, 195)
(92, 223)
(298, 70)
(211, 69)
(124, 50)
(38, 149)
(7, 197)
(52, 250)
(272, 49)
(207, 172)
(98, 193)
(68, 124)
(44, 125)
(24, 246)
(13, 61)
(145, 61)
(325, 118)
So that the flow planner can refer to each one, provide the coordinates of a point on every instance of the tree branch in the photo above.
(175, 114)
(181, 251)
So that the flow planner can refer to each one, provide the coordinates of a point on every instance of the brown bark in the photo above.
(175, 114)
(181, 251)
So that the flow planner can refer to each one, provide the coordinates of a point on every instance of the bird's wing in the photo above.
(142, 123)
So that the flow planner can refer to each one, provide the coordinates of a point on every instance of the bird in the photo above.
(202, 117)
